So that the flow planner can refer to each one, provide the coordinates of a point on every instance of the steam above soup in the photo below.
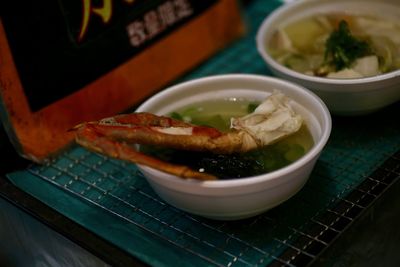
(338, 46)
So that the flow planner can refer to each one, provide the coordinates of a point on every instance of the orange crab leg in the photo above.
(272, 120)
(89, 137)
(112, 136)
(149, 129)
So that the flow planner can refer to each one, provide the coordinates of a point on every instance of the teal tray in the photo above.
(112, 199)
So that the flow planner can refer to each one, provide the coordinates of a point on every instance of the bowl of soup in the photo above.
(248, 183)
(345, 51)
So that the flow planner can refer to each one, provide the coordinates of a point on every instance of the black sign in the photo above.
(61, 46)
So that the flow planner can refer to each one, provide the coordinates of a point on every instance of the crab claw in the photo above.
(91, 136)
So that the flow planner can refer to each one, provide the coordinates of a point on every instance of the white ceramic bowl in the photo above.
(342, 96)
(243, 197)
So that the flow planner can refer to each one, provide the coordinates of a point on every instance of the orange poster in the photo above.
(68, 61)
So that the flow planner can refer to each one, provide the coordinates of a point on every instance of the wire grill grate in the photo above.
(290, 235)
(134, 202)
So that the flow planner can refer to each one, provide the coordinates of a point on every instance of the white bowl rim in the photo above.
(289, 72)
(237, 182)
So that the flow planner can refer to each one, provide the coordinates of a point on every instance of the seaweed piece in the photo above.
(231, 166)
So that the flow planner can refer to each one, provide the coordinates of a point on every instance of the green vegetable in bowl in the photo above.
(342, 48)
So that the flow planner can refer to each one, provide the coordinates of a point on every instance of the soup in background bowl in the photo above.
(338, 45)
(355, 83)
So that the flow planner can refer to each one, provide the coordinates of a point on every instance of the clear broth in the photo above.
(218, 114)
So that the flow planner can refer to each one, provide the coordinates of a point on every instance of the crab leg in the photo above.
(272, 120)
(90, 138)
(149, 129)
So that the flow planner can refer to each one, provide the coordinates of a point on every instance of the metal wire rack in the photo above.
(112, 198)
(291, 235)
